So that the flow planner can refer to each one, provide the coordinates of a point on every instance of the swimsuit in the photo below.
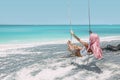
(83, 51)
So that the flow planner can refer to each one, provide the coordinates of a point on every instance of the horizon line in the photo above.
(50, 24)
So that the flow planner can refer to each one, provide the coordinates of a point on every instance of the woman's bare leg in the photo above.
(72, 47)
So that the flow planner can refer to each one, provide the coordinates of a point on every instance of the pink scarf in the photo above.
(95, 45)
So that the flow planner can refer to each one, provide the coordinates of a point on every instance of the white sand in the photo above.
(40, 61)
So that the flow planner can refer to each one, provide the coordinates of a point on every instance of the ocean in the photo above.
(46, 33)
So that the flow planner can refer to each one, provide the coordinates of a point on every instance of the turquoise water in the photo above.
(32, 33)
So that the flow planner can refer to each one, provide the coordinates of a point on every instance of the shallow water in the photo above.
(41, 33)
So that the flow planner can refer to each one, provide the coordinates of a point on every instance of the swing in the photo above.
(70, 23)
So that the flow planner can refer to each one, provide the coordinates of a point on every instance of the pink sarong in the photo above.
(95, 45)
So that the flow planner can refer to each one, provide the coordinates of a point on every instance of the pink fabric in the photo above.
(95, 45)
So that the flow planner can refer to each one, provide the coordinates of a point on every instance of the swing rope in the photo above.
(70, 22)
(89, 15)
(69, 18)
(89, 24)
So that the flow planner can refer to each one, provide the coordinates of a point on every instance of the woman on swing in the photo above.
(92, 48)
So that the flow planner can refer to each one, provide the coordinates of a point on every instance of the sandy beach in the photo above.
(35, 36)
(52, 62)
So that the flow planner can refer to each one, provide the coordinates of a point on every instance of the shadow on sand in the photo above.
(89, 67)
(16, 62)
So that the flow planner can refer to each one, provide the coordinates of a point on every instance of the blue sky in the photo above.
(57, 11)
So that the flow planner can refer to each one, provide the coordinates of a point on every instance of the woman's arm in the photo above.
(77, 38)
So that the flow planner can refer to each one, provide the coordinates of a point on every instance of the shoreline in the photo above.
(4, 47)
